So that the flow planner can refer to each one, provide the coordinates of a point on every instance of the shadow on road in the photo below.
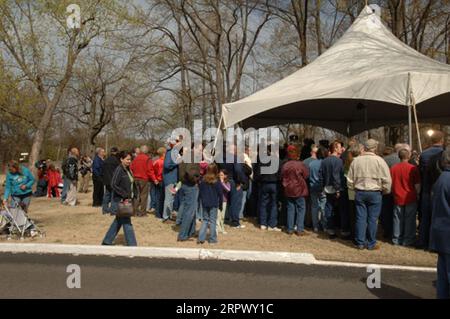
(390, 292)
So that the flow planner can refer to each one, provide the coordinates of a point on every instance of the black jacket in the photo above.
(109, 166)
(121, 184)
(265, 178)
(70, 168)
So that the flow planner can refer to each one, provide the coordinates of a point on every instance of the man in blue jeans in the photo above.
(170, 178)
(268, 192)
(437, 139)
(370, 177)
(330, 179)
(440, 227)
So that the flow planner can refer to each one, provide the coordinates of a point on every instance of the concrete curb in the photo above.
(189, 253)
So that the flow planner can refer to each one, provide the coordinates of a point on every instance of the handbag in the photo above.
(125, 209)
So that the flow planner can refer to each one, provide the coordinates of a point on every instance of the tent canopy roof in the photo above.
(361, 82)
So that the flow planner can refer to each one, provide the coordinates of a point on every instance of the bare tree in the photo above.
(29, 30)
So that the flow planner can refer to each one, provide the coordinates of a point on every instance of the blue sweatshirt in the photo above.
(314, 178)
(14, 181)
(170, 170)
(211, 195)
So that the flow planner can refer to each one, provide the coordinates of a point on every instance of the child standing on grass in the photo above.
(211, 198)
(53, 179)
(226, 187)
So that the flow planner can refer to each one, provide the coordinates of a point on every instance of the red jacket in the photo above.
(293, 177)
(142, 168)
(158, 167)
(54, 178)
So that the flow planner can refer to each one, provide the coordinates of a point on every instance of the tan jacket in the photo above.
(369, 172)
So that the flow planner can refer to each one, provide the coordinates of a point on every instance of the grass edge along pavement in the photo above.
(85, 225)
(189, 253)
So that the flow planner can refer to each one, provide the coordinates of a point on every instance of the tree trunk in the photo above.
(39, 136)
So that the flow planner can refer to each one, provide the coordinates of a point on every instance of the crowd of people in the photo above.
(342, 191)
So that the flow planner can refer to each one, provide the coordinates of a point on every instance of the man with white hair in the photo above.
(369, 176)
(143, 172)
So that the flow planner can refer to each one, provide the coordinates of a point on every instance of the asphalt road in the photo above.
(45, 276)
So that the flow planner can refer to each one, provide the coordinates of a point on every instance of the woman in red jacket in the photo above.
(293, 177)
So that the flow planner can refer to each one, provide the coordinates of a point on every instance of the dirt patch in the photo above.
(86, 225)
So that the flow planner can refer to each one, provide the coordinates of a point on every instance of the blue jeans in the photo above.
(157, 200)
(235, 204)
(404, 224)
(268, 203)
(331, 208)
(443, 276)
(168, 202)
(296, 208)
(106, 205)
(209, 220)
(368, 209)
(25, 202)
(318, 202)
(151, 197)
(128, 230)
(118, 222)
(425, 220)
(199, 210)
(66, 184)
(188, 207)
(244, 200)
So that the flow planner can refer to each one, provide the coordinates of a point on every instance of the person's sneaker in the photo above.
(376, 247)
(290, 232)
(262, 227)
(151, 211)
(224, 233)
(316, 230)
(274, 229)
(332, 236)
(200, 242)
(359, 247)
(238, 226)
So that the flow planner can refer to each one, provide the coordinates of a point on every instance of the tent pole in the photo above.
(416, 122)
(217, 133)
(408, 104)
(410, 125)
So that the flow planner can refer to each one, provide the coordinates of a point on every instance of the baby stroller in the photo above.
(15, 222)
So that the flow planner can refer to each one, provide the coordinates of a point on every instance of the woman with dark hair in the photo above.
(124, 190)
(19, 183)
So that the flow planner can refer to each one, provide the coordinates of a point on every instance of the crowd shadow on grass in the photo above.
(389, 292)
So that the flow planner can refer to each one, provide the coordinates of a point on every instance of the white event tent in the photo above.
(367, 79)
